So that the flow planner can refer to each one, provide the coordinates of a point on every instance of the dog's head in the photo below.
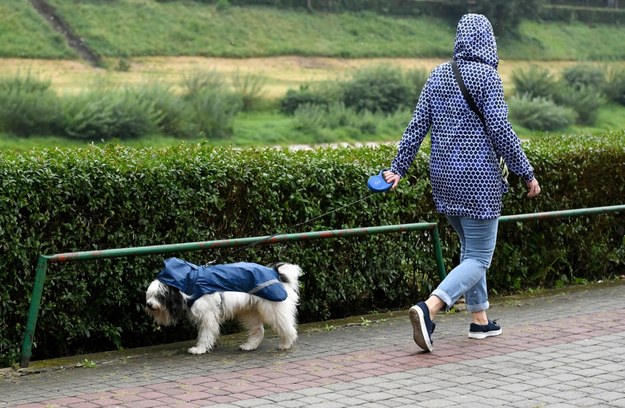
(164, 303)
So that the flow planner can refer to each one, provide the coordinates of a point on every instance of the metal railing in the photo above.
(42, 264)
(44, 260)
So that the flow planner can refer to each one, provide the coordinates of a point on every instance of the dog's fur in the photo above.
(167, 305)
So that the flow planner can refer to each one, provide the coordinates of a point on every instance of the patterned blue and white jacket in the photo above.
(464, 165)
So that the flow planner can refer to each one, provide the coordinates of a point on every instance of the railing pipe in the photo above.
(562, 213)
(236, 242)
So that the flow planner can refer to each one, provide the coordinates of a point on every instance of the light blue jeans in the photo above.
(477, 245)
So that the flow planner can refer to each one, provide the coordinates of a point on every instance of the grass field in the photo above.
(23, 33)
(131, 28)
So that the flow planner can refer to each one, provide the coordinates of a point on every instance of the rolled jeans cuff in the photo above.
(444, 297)
(449, 302)
(478, 308)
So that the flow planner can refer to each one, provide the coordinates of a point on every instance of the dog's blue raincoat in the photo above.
(247, 277)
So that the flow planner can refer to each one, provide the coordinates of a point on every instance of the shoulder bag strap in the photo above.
(466, 93)
(454, 66)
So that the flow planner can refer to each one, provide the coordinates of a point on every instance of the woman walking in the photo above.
(467, 184)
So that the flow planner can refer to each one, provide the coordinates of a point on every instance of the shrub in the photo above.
(28, 106)
(538, 113)
(222, 5)
(416, 79)
(580, 88)
(123, 65)
(105, 114)
(171, 114)
(584, 76)
(534, 82)
(584, 100)
(378, 89)
(249, 87)
(303, 96)
(311, 118)
(615, 85)
(212, 105)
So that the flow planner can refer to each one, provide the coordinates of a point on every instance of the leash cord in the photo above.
(215, 261)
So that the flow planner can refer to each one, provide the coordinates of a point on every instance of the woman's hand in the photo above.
(391, 177)
(533, 187)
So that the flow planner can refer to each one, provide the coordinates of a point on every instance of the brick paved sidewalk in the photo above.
(564, 349)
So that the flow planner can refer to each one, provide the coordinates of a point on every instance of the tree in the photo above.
(506, 15)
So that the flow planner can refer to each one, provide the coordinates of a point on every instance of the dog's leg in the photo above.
(256, 331)
(205, 314)
(284, 323)
(288, 336)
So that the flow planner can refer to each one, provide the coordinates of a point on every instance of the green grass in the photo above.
(611, 116)
(137, 28)
(127, 28)
(265, 128)
(24, 34)
(9, 142)
(145, 27)
(274, 128)
(565, 42)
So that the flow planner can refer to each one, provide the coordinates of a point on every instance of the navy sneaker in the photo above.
(422, 326)
(479, 331)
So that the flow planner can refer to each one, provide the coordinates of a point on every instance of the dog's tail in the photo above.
(289, 274)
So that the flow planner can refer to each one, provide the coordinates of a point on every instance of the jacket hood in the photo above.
(475, 40)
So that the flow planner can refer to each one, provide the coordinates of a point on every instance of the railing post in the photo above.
(33, 312)
(438, 253)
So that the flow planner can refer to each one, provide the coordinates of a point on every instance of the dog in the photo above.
(209, 295)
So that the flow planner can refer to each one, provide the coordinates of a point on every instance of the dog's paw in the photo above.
(285, 346)
(248, 347)
(197, 350)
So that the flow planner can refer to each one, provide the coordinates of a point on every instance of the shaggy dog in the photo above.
(209, 295)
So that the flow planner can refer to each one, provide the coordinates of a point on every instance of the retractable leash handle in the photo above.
(377, 184)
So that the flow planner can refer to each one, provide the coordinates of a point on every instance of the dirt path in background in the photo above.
(278, 73)
(59, 25)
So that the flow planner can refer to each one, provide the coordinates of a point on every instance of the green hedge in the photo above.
(57, 201)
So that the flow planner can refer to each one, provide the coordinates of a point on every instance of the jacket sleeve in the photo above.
(414, 134)
(504, 139)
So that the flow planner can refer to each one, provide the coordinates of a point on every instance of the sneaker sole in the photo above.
(418, 329)
(483, 335)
